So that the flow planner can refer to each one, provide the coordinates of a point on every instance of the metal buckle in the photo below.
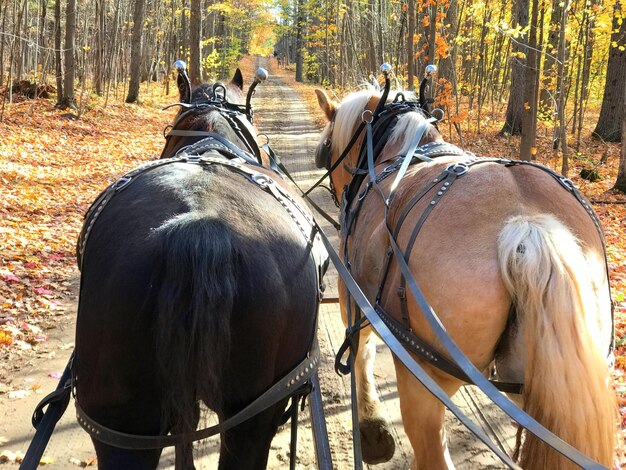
(265, 136)
(566, 182)
(365, 113)
(458, 169)
(192, 159)
(122, 182)
(262, 180)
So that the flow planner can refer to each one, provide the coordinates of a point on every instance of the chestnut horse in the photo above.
(513, 265)
(197, 284)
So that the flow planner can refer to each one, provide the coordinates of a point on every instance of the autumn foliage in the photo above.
(52, 166)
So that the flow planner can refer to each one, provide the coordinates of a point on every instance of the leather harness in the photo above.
(397, 335)
(213, 150)
(361, 185)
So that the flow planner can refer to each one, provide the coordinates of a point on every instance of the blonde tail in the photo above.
(566, 372)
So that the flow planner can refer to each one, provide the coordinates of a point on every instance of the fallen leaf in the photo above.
(42, 291)
(18, 394)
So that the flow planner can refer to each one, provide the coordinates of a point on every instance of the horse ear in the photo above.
(184, 88)
(238, 79)
(326, 104)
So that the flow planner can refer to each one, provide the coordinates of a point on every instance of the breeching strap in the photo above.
(401, 353)
(476, 377)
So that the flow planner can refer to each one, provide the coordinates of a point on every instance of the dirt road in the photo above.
(286, 121)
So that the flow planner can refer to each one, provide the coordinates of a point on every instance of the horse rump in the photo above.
(559, 312)
(194, 304)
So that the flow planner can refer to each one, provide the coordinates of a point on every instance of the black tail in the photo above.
(194, 303)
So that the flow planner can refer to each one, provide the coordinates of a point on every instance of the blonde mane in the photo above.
(349, 116)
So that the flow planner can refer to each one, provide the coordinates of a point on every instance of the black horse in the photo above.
(197, 284)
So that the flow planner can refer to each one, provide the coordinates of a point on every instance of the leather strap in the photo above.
(456, 354)
(288, 386)
(204, 145)
(341, 158)
(423, 349)
(45, 422)
(406, 161)
(402, 354)
(281, 169)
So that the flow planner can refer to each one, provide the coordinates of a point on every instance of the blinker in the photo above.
(322, 154)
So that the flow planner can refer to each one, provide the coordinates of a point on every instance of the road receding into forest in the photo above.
(293, 134)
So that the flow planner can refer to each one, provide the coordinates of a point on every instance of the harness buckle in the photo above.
(192, 159)
(262, 180)
(402, 293)
(458, 169)
(566, 182)
(122, 183)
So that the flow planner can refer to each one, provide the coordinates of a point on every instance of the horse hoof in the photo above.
(377, 442)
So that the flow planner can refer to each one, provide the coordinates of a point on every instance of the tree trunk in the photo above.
(5, 6)
(41, 41)
(515, 106)
(587, 58)
(620, 183)
(529, 116)
(409, 45)
(57, 51)
(195, 21)
(184, 29)
(562, 91)
(135, 51)
(447, 65)
(69, 101)
(609, 123)
(299, 42)
(98, 73)
(550, 74)
(371, 45)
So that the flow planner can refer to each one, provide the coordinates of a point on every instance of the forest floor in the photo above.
(54, 163)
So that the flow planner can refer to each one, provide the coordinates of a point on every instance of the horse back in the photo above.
(194, 282)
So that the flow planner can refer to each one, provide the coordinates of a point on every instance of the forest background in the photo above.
(531, 79)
